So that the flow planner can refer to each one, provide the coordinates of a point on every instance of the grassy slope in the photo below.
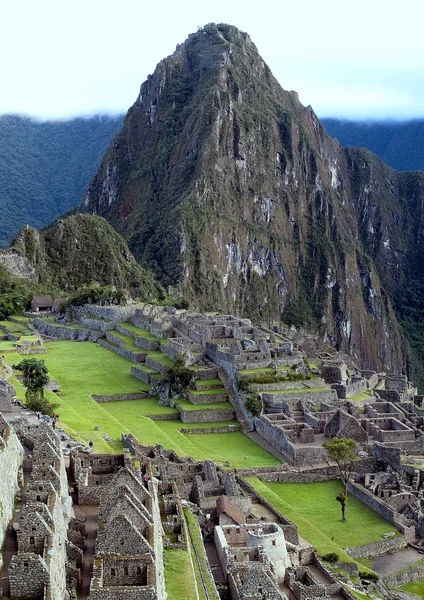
(415, 587)
(198, 550)
(85, 368)
(314, 509)
(179, 578)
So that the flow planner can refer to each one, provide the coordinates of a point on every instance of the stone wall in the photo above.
(296, 454)
(66, 333)
(413, 573)
(128, 354)
(277, 400)
(206, 398)
(205, 416)
(119, 397)
(11, 454)
(385, 546)
(383, 509)
(226, 429)
(286, 385)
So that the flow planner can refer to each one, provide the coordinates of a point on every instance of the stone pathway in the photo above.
(391, 563)
(91, 514)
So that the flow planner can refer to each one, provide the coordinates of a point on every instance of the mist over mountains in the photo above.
(399, 143)
(45, 167)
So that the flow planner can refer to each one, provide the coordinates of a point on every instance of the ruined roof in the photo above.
(43, 301)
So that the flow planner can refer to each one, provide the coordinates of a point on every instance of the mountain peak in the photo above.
(230, 190)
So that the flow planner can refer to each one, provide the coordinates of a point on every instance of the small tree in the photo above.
(34, 378)
(343, 452)
(179, 376)
(254, 404)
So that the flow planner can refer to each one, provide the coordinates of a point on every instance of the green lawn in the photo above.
(316, 512)
(415, 587)
(143, 333)
(199, 558)
(361, 397)
(179, 578)
(215, 382)
(85, 368)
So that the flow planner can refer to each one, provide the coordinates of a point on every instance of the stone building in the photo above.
(39, 568)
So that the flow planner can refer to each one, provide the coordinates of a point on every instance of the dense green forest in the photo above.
(399, 143)
(46, 166)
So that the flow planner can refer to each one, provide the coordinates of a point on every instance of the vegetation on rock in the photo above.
(232, 192)
(84, 252)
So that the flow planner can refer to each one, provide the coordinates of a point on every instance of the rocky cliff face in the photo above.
(228, 188)
(76, 251)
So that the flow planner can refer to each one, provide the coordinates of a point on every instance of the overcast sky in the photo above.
(357, 59)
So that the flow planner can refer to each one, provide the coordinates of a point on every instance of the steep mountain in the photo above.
(77, 251)
(46, 166)
(233, 192)
(399, 143)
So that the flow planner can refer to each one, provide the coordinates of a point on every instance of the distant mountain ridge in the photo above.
(399, 143)
(45, 167)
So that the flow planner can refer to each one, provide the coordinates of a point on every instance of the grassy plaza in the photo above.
(314, 509)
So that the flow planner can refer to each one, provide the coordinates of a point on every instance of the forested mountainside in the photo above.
(399, 143)
(232, 191)
(76, 252)
(46, 166)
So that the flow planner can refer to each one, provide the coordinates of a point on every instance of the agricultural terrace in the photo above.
(314, 509)
(85, 368)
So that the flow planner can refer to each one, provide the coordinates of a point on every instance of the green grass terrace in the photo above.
(316, 512)
(86, 368)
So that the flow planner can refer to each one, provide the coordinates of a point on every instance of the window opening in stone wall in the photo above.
(112, 572)
(31, 539)
(125, 570)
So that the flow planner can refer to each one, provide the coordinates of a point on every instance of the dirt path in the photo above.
(391, 563)
(91, 514)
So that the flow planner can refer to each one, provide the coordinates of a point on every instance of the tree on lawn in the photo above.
(343, 452)
(34, 378)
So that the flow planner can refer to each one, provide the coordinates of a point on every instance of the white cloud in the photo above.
(60, 59)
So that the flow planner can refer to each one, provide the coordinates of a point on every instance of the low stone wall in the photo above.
(299, 395)
(95, 324)
(297, 477)
(206, 398)
(412, 573)
(205, 416)
(298, 454)
(165, 417)
(378, 548)
(119, 397)
(141, 375)
(157, 366)
(65, 333)
(146, 344)
(383, 509)
(132, 356)
(226, 429)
